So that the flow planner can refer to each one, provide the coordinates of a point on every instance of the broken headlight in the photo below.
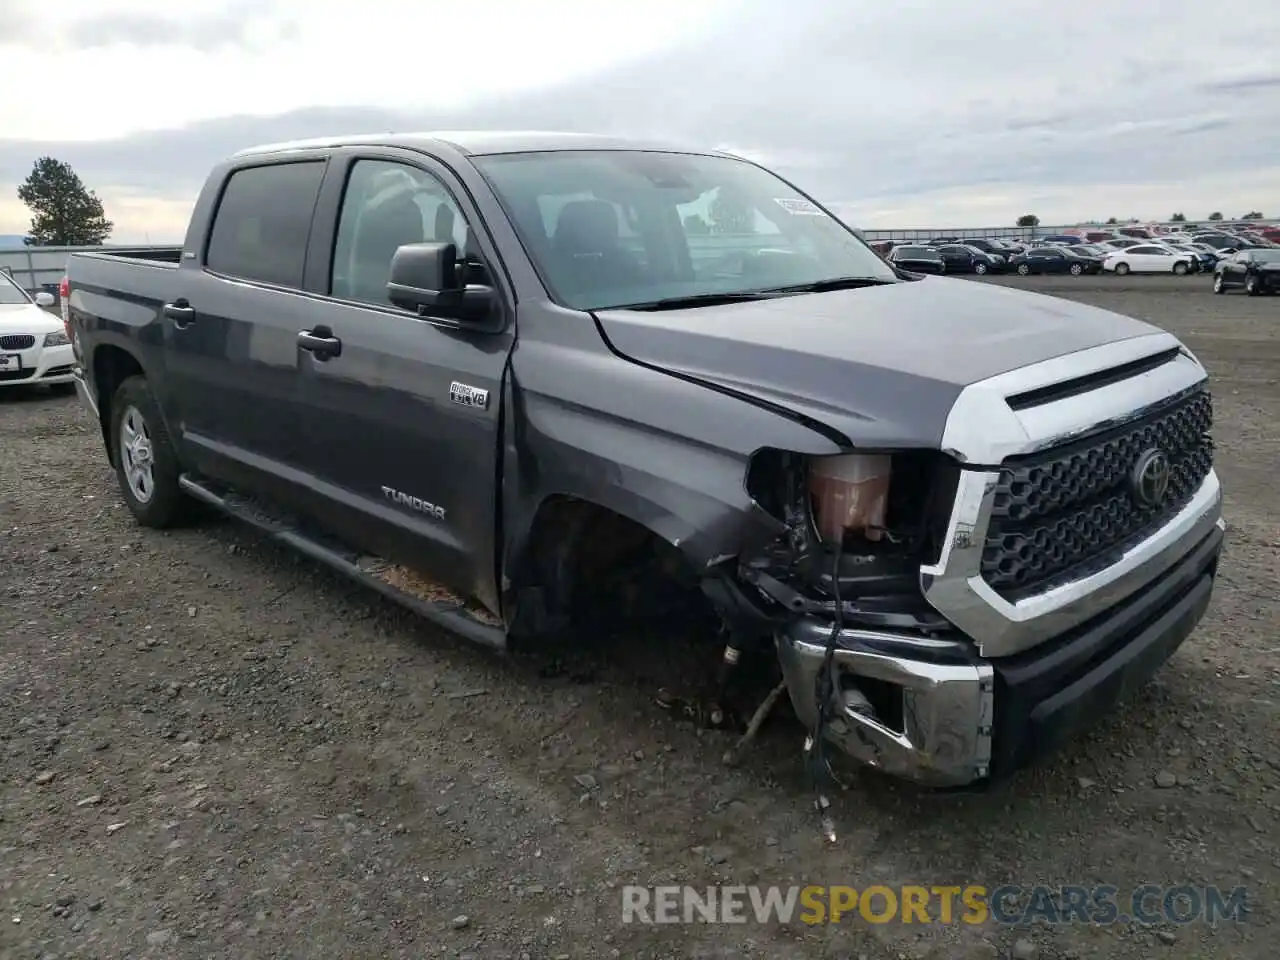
(899, 500)
(894, 502)
(849, 494)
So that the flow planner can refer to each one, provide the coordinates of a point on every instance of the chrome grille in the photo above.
(17, 341)
(1061, 514)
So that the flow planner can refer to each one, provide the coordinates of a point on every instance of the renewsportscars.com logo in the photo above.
(973, 904)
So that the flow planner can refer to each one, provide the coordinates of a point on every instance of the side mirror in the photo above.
(45, 299)
(427, 278)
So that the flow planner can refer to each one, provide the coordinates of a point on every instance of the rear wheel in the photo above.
(146, 464)
(1122, 269)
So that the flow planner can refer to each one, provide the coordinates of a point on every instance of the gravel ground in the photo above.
(212, 748)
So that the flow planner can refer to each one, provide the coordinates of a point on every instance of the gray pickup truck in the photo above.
(485, 373)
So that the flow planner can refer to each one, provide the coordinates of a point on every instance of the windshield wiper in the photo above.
(834, 283)
(700, 300)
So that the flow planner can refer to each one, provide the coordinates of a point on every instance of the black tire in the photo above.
(1251, 286)
(980, 269)
(1024, 269)
(1180, 269)
(165, 505)
(1076, 269)
(1122, 269)
(1218, 285)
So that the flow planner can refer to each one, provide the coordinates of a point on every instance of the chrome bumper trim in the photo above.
(955, 588)
(947, 712)
(983, 430)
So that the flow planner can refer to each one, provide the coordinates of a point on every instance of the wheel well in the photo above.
(585, 566)
(112, 366)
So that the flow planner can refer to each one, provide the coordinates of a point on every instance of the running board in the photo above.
(434, 603)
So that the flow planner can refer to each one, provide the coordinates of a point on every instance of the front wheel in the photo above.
(980, 269)
(1180, 269)
(1076, 269)
(1251, 286)
(146, 464)
(1122, 269)
(1023, 269)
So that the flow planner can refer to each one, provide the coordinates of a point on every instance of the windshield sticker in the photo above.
(803, 208)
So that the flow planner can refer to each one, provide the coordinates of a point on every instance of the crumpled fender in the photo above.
(667, 453)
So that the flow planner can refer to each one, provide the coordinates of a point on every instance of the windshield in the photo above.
(1265, 256)
(10, 292)
(608, 228)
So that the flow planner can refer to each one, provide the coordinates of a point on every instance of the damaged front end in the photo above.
(869, 666)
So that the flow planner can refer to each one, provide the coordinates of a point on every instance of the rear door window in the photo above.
(263, 222)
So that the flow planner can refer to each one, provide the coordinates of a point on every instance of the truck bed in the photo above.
(147, 273)
(122, 290)
(148, 256)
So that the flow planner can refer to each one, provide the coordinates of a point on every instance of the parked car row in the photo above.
(948, 258)
(987, 256)
(1193, 252)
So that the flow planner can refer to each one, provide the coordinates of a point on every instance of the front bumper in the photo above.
(960, 721)
(40, 364)
(1268, 280)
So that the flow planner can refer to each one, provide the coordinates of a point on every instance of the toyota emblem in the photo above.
(1150, 478)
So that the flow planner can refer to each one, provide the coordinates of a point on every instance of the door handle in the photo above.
(320, 342)
(180, 312)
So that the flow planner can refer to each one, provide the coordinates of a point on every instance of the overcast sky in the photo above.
(904, 113)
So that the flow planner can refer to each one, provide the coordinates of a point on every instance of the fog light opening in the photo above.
(877, 699)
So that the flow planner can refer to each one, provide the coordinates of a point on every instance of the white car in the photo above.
(33, 342)
(1147, 258)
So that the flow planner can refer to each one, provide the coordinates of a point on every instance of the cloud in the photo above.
(941, 114)
(1260, 82)
(238, 26)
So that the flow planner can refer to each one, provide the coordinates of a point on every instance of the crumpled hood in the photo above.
(27, 318)
(882, 366)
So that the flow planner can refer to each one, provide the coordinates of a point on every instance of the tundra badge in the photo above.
(413, 503)
(468, 396)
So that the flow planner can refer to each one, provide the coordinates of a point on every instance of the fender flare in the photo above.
(90, 366)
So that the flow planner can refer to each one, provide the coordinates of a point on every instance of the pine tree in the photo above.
(63, 212)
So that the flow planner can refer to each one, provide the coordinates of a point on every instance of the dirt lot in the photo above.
(212, 748)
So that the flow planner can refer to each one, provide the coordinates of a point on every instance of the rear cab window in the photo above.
(262, 223)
